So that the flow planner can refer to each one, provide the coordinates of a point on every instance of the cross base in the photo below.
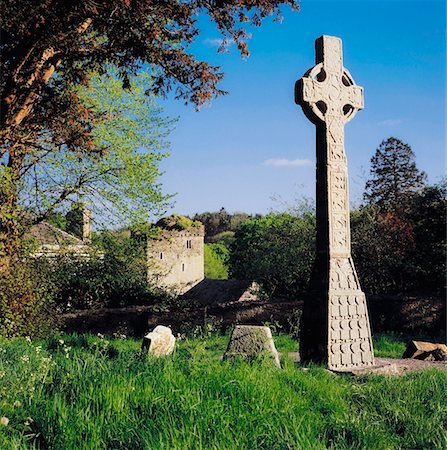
(335, 326)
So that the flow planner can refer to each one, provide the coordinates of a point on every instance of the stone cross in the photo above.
(335, 326)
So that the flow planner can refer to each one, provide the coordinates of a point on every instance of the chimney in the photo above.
(79, 222)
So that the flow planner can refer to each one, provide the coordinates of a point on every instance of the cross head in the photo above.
(328, 90)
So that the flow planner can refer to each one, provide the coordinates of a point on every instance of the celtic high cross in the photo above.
(335, 327)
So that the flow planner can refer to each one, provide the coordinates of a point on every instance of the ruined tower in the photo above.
(175, 254)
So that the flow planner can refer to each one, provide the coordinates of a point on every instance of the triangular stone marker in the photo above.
(250, 341)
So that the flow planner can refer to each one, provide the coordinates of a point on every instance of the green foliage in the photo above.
(11, 225)
(398, 237)
(114, 275)
(400, 250)
(26, 300)
(120, 177)
(216, 261)
(277, 251)
(394, 175)
(379, 250)
(428, 217)
(220, 222)
(58, 220)
(225, 237)
(66, 392)
(74, 220)
(177, 222)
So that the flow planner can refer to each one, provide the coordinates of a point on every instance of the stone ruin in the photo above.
(176, 255)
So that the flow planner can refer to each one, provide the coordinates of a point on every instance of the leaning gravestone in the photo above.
(159, 342)
(250, 341)
(335, 326)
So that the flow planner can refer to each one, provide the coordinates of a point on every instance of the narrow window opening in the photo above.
(161, 255)
(183, 267)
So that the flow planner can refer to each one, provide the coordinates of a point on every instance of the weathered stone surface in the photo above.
(250, 341)
(159, 342)
(426, 351)
(176, 256)
(437, 355)
(335, 326)
(411, 365)
(383, 369)
(385, 366)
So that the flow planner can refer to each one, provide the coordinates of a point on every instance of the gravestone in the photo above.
(335, 326)
(159, 342)
(251, 341)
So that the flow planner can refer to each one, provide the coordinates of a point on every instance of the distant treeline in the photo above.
(221, 221)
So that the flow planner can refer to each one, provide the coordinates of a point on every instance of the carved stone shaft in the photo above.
(335, 325)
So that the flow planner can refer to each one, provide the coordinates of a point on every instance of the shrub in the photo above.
(26, 301)
(114, 275)
(277, 251)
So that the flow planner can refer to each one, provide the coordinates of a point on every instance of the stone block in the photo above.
(426, 351)
(159, 342)
(250, 341)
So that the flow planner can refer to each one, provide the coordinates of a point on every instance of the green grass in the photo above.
(91, 393)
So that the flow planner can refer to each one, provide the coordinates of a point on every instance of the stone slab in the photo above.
(387, 366)
(402, 366)
(426, 351)
(379, 369)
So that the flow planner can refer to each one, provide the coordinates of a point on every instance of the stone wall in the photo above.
(419, 317)
(176, 260)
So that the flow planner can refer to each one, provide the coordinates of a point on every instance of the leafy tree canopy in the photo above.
(219, 222)
(402, 250)
(51, 47)
(75, 38)
(277, 251)
(120, 181)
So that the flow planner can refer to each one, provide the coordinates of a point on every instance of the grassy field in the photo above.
(90, 392)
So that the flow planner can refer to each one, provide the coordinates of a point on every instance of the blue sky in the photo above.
(255, 143)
